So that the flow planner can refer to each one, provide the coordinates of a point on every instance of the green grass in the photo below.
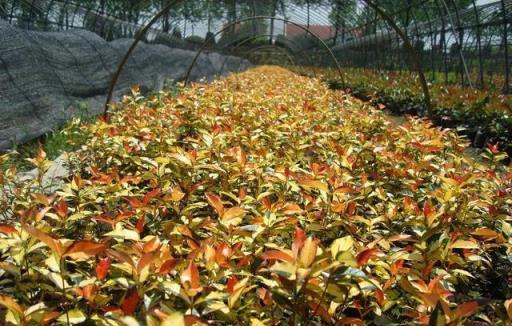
(66, 139)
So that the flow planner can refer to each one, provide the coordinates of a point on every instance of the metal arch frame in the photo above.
(455, 25)
(285, 49)
(412, 52)
(253, 36)
(143, 31)
(480, 81)
(127, 55)
(267, 46)
(273, 46)
(284, 20)
(371, 4)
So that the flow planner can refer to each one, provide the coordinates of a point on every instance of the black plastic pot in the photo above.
(480, 139)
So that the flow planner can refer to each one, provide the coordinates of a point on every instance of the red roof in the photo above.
(322, 31)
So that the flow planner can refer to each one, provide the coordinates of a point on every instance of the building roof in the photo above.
(322, 31)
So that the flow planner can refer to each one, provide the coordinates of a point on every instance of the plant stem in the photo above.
(63, 286)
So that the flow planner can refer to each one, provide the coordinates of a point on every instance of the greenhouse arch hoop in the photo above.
(277, 48)
(229, 26)
(380, 12)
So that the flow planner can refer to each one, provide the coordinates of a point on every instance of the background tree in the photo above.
(4, 13)
(419, 10)
(309, 5)
(212, 10)
(343, 16)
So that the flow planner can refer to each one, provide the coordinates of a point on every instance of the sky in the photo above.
(317, 17)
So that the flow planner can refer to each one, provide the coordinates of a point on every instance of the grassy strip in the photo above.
(68, 138)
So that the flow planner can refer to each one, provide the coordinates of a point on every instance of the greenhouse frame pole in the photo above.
(412, 52)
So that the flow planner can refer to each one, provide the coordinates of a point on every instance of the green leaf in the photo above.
(74, 317)
(341, 245)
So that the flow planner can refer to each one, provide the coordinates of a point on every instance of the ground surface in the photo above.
(260, 199)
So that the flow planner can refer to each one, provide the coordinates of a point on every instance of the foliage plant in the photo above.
(477, 113)
(263, 198)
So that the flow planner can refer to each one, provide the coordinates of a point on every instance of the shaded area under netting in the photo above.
(465, 41)
(444, 59)
(243, 162)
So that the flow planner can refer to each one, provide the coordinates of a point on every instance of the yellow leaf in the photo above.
(237, 292)
(174, 319)
(291, 208)
(216, 203)
(183, 158)
(11, 305)
(314, 184)
(508, 307)
(308, 252)
(177, 194)
(54, 244)
(465, 244)
(256, 322)
(341, 245)
(233, 212)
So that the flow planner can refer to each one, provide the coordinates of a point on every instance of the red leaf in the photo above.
(61, 209)
(318, 310)
(134, 202)
(350, 321)
(494, 148)
(266, 202)
(7, 229)
(123, 216)
(105, 218)
(102, 268)
(427, 209)
(140, 224)
(298, 241)
(466, 309)
(130, 302)
(396, 267)
(351, 208)
(150, 195)
(287, 172)
(191, 320)
(11, 304)
(408, 203)
(151, 245)
(85, 249)
(364, 256)
(145, 260)
(54, 244)
(231, 284)
(49, 316)
(191, 276)
(168, 266)
(243, 193)
(277, 255)
(265, 296)
(379, 296)
(243, 261)
(216, 203)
